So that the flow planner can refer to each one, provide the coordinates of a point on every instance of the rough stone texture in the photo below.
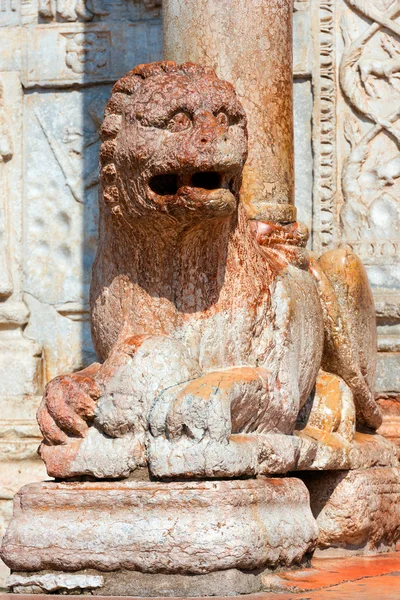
(54, 582)
(366, 577)
(57, 158)
(48, 196)
(173, 528)
(135, 583)
(22, 360)
(356, 150)
(260, 69)
(271, 454)
(390, 407)
(334, 452)
(186, 191)
(171, 390)
(210, 329)
(171, 171)
(357, 511)
(350, 329)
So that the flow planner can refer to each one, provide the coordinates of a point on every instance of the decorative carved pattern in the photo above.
(69, 151)
(87, 10)
(324, 138)
(369, 78)
(356, 136)
(87, 52)
(72, 10)
(6, 5)
(378, 249)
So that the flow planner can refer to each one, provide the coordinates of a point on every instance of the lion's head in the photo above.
(174, 141)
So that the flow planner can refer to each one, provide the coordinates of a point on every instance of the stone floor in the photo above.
(359, 578)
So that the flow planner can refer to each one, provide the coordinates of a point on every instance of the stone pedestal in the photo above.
(358, 512)
(156, 539)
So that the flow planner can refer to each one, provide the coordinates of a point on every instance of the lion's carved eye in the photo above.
(179, 122)
(222, 119)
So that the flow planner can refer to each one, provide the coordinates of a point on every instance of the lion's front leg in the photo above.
(72, 403)
(214, 405)
(68, 406)
(97, 425)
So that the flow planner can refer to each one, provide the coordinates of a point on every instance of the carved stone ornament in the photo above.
(356, 146)
(212, 332)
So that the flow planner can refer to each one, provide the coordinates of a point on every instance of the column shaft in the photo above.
(249, 43)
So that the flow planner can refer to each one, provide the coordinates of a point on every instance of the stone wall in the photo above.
(58, 61)
(356, 139)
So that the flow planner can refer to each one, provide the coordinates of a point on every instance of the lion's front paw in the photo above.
(195, 409)
(67, 407)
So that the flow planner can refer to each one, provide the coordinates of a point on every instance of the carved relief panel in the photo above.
(58, 60)
(357, 150)
(86, 44)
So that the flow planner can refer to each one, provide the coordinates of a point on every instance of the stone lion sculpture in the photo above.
(210, 329)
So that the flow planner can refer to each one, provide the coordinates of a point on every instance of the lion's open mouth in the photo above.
(171, 184)
(201, 192)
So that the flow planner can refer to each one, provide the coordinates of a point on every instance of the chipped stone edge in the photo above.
(51, 582)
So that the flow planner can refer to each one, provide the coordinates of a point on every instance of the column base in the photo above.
(358, 512)
(156, 539)
(134, 583)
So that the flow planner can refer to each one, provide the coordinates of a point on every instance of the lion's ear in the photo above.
(110, 127)
(127, 85)
(109, 130)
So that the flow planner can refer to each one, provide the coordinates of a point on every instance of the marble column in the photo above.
(250, 45)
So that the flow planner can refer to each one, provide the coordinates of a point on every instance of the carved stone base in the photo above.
(145, 538)
(134, 583)
(358, 512)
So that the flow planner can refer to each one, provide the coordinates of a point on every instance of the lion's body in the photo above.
(214, 290)
(206, 324)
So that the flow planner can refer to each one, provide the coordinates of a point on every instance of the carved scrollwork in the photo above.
(324, 139)
(87, 52)
(370, 80)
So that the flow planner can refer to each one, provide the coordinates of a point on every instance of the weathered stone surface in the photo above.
(135, 583)
(194, 527)
(350, 329)
(49, 582)
(388, 373)
(265, 88)
(390, 407)
(157, 296)
(48, 196)
(356, 152)
(172, 391)
(330, 409)
(23, 361)
(334, 452)
(269, 454)
(321, 63)
(68, 314)
(357, 511)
